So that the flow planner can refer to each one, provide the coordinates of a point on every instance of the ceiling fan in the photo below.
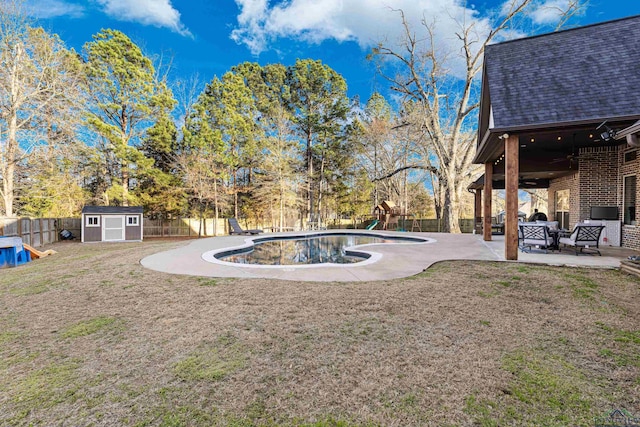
(572, 157)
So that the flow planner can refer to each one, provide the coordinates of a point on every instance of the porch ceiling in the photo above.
(547, 154)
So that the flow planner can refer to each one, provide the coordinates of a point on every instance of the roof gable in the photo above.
(584, 74)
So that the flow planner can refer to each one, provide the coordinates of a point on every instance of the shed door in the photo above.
(113, 228)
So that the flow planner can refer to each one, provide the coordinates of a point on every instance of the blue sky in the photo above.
(208, 37)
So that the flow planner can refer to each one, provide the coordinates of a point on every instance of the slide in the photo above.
(372, 225)
(36, 253)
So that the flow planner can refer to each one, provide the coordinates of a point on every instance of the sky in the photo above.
(208, 37)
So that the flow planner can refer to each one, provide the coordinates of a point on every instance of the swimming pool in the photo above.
(328, 248)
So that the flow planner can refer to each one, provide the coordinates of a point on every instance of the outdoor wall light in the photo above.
(533, 140)
(608, 132)
(559, 138)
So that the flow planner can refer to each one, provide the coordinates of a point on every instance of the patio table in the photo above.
(556, 235)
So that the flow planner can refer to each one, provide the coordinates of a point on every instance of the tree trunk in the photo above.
(10, 164)
(125, 186)
(9, 160)
(281, 214)
(215, 206)
(320, 188)
(235, 193)
(309, 178)
(451, 207)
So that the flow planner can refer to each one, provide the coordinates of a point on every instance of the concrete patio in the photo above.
(398, 260)
(611, 256)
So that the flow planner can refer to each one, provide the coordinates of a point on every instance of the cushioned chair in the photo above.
(551, 225)
(534, 236)
(584, 236)
(236, 229)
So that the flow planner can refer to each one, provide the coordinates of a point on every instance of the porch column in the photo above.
(477, 211)
(488, 189)
(511, 148)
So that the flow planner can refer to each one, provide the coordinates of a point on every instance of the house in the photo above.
(112, 224)
(560, 111)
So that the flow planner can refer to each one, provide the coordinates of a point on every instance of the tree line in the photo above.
(103, 126)
(274, 144)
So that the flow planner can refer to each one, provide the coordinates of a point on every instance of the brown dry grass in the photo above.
(90, 337)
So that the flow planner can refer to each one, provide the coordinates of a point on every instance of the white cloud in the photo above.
(159, 13)
(53, 8)
(549, 11)
(365, 22)
(263, 22)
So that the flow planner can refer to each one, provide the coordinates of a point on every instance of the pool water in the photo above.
(317, 249)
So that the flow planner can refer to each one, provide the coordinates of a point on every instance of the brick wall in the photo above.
(630, 233)
(599, 179)
(599, 182)
(570, 183)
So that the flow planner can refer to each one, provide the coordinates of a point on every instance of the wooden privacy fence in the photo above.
(435, 225)
(41, 231)
(426, 225)
(178, 227)
(35, 232)
(74, 225)
(184, 227)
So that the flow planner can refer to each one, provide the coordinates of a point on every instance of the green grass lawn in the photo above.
(90, 337)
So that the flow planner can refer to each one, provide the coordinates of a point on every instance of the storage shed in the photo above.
(112, 223)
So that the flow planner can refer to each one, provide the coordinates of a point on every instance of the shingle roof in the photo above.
(583, 74)
(112, 210)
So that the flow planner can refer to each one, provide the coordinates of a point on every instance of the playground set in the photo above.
(14, 252)
(388, 216)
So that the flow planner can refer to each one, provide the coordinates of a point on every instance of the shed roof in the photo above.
(112, 210)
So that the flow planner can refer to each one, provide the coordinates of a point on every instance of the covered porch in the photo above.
(611, 257)
(549, 114)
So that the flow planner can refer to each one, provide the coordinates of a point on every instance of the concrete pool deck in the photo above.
(398, 260)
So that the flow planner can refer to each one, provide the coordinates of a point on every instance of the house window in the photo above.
(562, 208)
(133, 221)
(630, 156)
(629, 200)
(92, 221)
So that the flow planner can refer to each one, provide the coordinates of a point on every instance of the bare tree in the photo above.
(539, 199)
(201, 175)
(446, 97)
(36, 77)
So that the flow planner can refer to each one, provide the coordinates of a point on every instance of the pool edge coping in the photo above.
(374, 257)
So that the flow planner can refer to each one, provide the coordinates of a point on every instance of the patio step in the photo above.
(631, 267)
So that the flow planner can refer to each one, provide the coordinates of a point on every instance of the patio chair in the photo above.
(236, 229)
(534, 236)
(315, 223)
(584, 236)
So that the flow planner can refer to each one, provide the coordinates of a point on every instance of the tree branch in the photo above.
(421, 167)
